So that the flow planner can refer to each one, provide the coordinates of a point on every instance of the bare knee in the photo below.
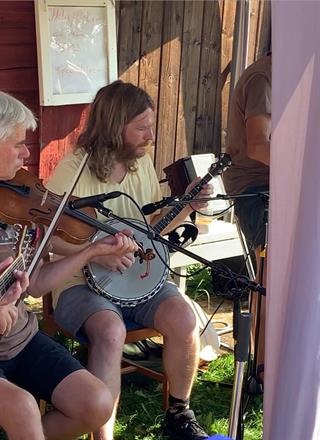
(18, 405)
(98, 408)
(175, 318)
(106, 331)
(93, 409)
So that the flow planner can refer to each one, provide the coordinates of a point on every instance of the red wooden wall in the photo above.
(18, 63)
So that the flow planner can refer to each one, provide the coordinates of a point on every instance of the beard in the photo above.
(130, 152)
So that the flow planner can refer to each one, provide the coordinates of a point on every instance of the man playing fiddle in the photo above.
(119, 127)
(32, 364)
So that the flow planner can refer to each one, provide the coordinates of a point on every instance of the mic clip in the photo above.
(150, 208)
(93, 201)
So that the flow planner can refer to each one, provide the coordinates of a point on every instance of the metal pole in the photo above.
(241, 328)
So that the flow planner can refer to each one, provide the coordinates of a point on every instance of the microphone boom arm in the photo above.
(152, 235)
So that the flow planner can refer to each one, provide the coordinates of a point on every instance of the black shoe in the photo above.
(183, 426)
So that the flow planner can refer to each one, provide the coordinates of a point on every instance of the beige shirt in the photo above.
(252, 97)
(142, 185)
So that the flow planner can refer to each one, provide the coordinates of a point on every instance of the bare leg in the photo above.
(19, 413)
(176, 321)
(82, 404)
(106, 333)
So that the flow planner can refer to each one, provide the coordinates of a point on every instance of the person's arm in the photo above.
(49, 276)
(258, 131)
(205, 192)
(110, 261)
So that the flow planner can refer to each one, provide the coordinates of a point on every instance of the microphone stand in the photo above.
(242, 323)
(254, 386)
(152, 235)
(173, 202)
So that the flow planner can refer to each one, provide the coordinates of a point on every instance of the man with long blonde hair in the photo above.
(118, 131)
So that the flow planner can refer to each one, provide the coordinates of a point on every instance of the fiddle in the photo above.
(28, 201)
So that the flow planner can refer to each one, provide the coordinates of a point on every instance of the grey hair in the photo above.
(12, 114)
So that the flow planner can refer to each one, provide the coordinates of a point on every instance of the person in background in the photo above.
(248, 143)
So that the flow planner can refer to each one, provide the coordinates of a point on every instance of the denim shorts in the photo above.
(40, 366)
(252, 213)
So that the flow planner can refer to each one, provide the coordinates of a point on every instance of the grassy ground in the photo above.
(140, 413)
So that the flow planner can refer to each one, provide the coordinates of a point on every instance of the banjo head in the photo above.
(137, 284)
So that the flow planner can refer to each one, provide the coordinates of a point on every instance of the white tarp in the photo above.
(292, 376)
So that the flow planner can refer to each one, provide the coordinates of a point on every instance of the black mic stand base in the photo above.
(242, 326)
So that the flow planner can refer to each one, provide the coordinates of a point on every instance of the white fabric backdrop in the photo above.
(292, 378)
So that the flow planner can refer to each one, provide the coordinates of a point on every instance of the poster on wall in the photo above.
(76, 45)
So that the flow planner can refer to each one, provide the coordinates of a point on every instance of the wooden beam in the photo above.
(189, 77)
(129, 35)
(209, 72)
(169, 84)
(151, 39)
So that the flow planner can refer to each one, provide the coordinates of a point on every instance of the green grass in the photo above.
(140, 412)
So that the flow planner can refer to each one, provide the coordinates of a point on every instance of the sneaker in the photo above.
(183, 426)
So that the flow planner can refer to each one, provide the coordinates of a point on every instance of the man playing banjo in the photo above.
(119, 128)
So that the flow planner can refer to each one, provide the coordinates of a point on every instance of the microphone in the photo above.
(229, 284)
(84, 202)
(150, 208)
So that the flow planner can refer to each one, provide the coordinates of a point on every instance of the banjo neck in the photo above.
(215, 169)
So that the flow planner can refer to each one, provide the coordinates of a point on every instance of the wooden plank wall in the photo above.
(179, 51)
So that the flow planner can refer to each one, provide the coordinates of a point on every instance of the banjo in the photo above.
(143, 280)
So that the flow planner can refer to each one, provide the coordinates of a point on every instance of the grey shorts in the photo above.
(78, 303)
